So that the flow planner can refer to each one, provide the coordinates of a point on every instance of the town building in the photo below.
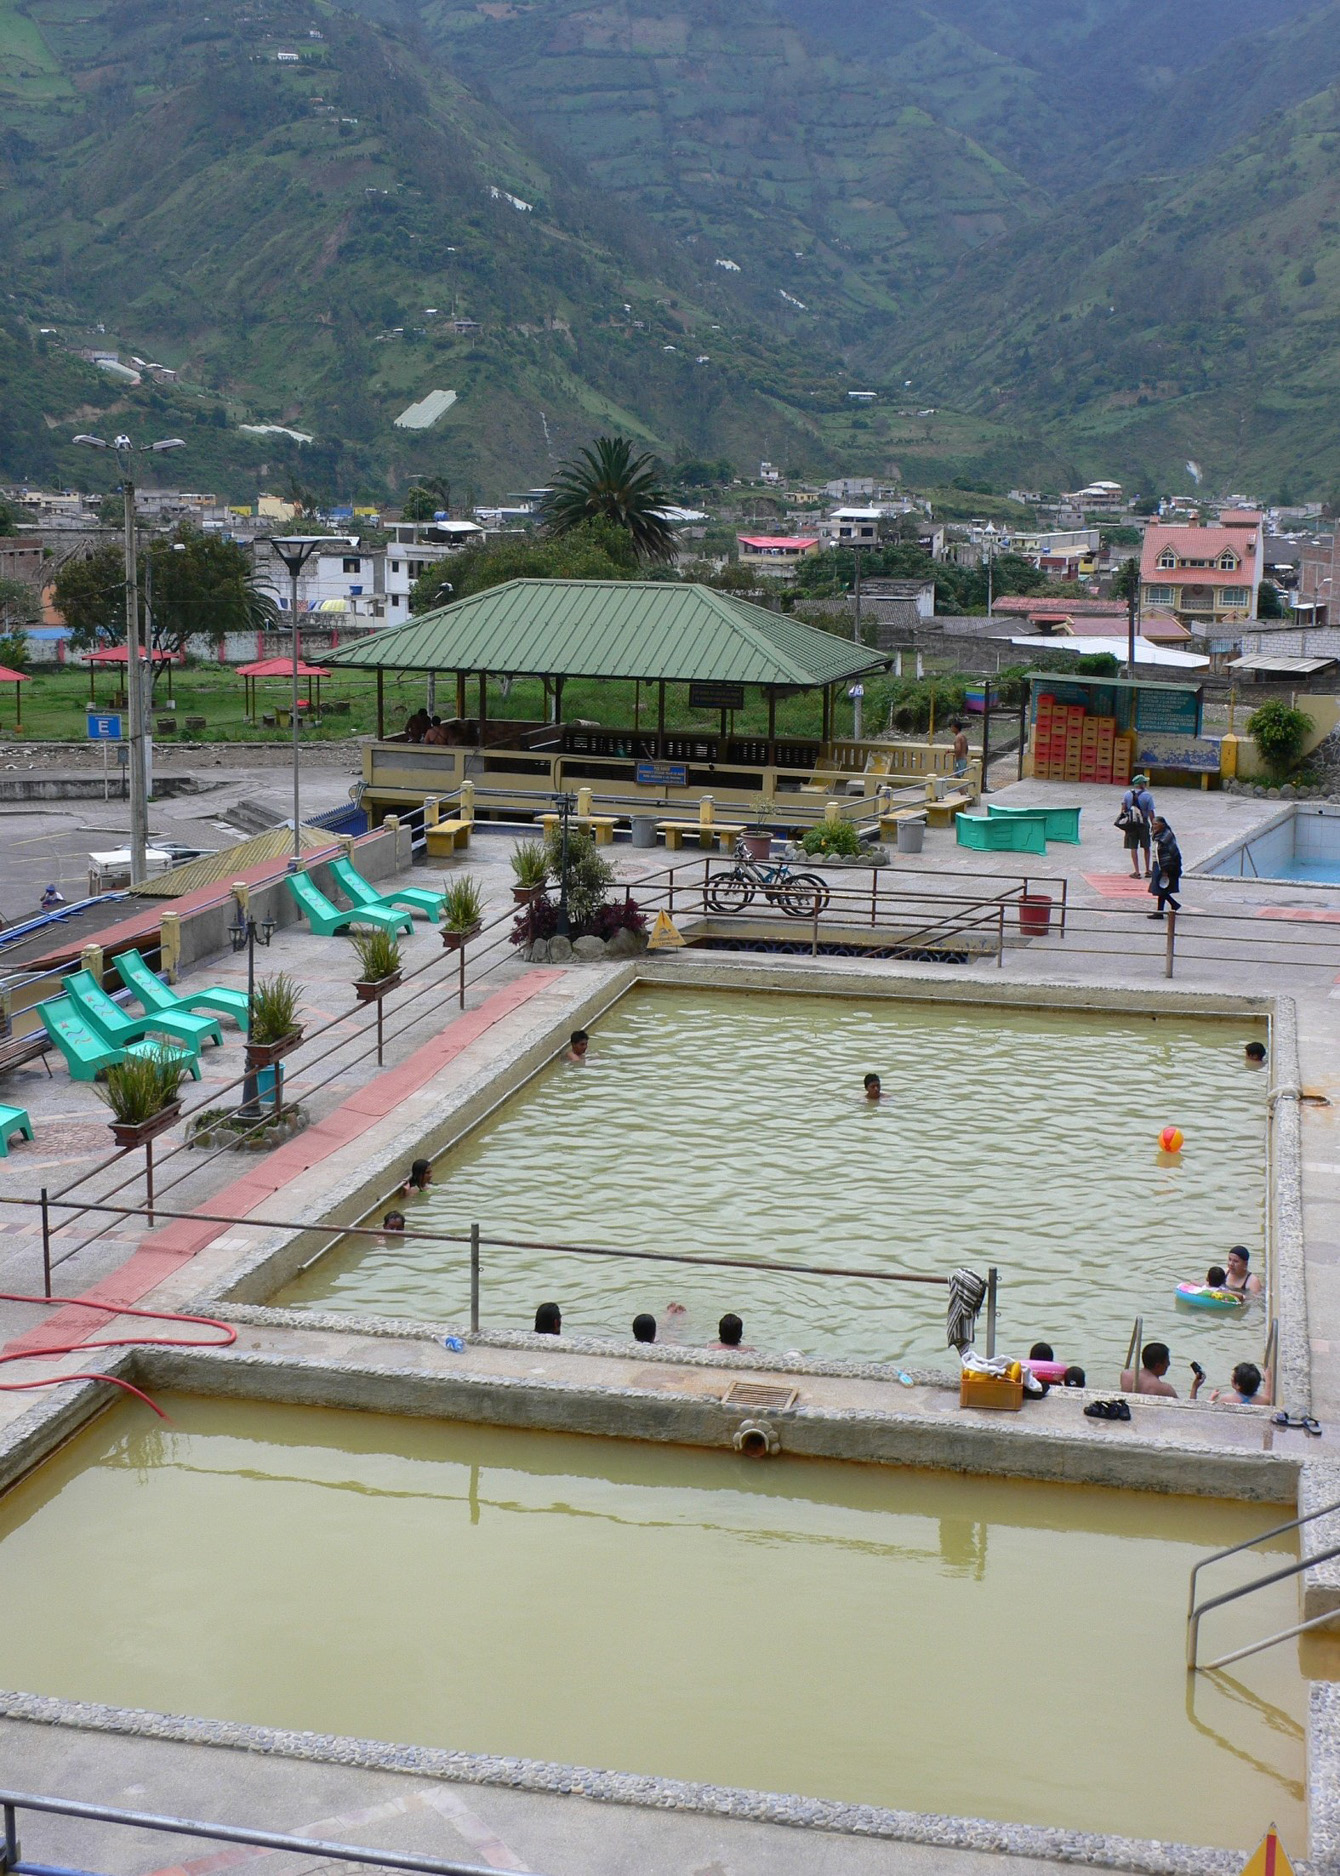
(1102, 498)
(776, 555)
(1207, 575)
(847, 527)
(1317, 601)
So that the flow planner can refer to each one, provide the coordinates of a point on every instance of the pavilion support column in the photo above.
(460, 696)
(558, 699)
(826, 715)
(660, 719)
(381, 705)
(772, 728)
(483, 705)
(637, 705)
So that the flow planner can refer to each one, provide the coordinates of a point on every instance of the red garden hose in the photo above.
(227, 1331)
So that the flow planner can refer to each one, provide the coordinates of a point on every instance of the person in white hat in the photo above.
(1135, 821)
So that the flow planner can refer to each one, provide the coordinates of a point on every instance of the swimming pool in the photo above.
(1301, 844)
(981, 1647)
(726, 1122)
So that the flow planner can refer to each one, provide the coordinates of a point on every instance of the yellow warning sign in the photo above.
(664, 933)
(1269, 1858)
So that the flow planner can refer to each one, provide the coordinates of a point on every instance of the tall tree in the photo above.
(609, 483)
(90, 595)
(203, 587)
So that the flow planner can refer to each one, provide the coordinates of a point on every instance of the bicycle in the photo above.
(795, 893)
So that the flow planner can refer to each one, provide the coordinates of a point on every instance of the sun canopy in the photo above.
(647, 629)
(281, 667)
(12, 677)
(118, 654)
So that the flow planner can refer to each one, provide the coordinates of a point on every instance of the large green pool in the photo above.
(929, 1642)
(716, 1122)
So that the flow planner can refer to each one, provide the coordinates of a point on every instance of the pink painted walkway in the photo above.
(164, 1251)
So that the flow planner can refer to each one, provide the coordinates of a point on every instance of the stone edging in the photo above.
(1090, 1849)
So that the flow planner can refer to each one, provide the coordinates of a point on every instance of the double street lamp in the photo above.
(243, 934)
(139, 789)
(295, 550)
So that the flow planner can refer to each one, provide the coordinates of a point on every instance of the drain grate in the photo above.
(761, 1394)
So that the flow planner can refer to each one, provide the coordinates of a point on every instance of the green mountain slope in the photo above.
(1151, 323)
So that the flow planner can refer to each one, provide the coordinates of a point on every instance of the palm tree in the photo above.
(609, 483)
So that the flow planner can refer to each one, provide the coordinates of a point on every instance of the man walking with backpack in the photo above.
(1135, 821)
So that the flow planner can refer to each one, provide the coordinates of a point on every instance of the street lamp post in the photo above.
(859, 692)
(295, 550)
(139, 788)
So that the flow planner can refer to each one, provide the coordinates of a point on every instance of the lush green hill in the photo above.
(1151, 323)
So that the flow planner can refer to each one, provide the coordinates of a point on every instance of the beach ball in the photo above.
(1171, 1139)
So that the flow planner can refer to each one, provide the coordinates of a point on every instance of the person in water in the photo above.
(1255, 1053)
(393, 1222)
(420, 1178)
(730, 1334)
(548, 1320)
(1239, 1278)
(1246, 1390)
(1155, 1361)
(644, 1328)
(873, 1090)
(578, 1043)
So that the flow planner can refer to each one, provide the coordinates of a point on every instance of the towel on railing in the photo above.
(967, 1291)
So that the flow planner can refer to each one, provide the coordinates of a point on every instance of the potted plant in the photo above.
(142, 1094)
(379, 964)
(757, 836)
(532, 871)
(275, 1029)
(462, 912)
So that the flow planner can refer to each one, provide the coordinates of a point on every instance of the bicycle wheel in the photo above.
(797, 894)
(729, 892)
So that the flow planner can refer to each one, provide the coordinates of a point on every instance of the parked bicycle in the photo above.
(794, 893)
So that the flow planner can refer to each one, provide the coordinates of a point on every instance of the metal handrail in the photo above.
(1194, 1612)
(13, 1863)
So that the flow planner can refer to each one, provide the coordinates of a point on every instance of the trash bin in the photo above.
(644, 830)
(911, 834)
(1035, 913)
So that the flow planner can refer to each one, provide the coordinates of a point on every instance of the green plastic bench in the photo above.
(1058, 823)
(111, 1021)
(86, 1052)
(355, 887)
(155, 996)
(992, 835)
(13, 1120)
(325, 919)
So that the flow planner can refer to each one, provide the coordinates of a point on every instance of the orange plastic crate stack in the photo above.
(1043, 729)
(1123, 754)
(1074, 741)
(1107, 736)
(1088, 750)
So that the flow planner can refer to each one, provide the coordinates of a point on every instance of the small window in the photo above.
(395, 566)
(1228, 562)
(1159, 595)
(1233, 596)
(352, 566)
(397, 599)
(1167, 559)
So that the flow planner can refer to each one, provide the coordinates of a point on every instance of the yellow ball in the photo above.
(1171, 1139)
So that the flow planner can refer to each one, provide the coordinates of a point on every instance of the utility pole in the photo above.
(1132, 608)
(858, 719)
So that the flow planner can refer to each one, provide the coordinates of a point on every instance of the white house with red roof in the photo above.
(1205, 575)
(777, 555)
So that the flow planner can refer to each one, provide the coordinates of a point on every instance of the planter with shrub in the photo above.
(275, 1029)
(462, 912)
(379, 965)
(531, 866)
(142, 1093)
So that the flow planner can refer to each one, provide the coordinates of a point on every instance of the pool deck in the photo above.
(437, 1065)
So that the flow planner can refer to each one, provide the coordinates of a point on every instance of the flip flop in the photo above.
(1302, 1423)
(1121, 1410)
(1104, 1410)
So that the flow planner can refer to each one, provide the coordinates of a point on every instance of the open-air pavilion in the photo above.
(650, 635)
(280, 668)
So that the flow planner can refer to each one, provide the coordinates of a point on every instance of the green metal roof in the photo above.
(648, 629)
(1098, 678)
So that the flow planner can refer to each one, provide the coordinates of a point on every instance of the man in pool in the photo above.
(548, 1320)
(578, 1043)
(644, 1328)
(1155, 1361)
(393, 1223)
(1238, 1278)
(1255, 1053)
(730, 1334)
(873, 1091)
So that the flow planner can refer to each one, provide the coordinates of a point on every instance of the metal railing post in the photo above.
(1133, 1352)
(1000, 939)
(1170, 947)
(814, 942)
(13, 1851)
(474, 1279)
(46, 1244)
(992, 1293)
(1065, 886)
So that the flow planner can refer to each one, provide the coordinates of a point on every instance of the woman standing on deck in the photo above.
(1167, 875)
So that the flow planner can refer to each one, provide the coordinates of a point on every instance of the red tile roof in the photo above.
(769, 542)
(1198, 544)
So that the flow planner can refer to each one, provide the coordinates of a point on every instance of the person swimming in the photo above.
(873, 1090)
(578, 1043)
(420, 1178)
(548, 1320)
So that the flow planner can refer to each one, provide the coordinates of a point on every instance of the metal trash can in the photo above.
(911, 834)
(644, 830)
(1035, 913)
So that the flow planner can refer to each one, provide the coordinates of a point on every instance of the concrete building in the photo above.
(1207, 575)
(776, 555)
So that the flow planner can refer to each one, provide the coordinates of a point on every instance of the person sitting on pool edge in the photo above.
(420, 1178)
(548, 1319)
(578, 1043)
(1155, 1361)
(1255, 1054)
(1246, 1390)
(644, 1328)
(873, 1090)
(1238, 1278)
(730, 1334)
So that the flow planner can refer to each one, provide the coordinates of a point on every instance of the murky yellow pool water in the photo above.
(911, 1639)
(713, 1122)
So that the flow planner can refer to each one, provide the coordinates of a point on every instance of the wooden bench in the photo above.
(443, 838)
(890, 821)
(17, 1051)
(944, 812)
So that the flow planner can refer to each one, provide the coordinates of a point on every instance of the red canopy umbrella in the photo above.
(14, 677)
(119, 654)
(278, 667)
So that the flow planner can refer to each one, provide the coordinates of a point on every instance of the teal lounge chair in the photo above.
(1058, 823)
(112, 1022)
(86, 1052)
(325, 919)
(355, 887)
(13, 1120)
(990, 835)
(155, 997)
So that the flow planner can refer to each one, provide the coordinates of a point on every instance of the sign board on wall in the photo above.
(1196, 754)
(1168, 712)
(662, 774)
(716, 696)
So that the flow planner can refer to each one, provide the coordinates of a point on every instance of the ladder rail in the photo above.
(1246, 1589)
(1254, 1648)
(1280, 1530)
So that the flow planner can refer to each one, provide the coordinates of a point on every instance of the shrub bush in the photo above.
(840, 839)
(1279, 733)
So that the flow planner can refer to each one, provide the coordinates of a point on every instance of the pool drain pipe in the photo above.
(756, 1439)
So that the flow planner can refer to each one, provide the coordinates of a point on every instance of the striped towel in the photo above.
(967, 1291)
